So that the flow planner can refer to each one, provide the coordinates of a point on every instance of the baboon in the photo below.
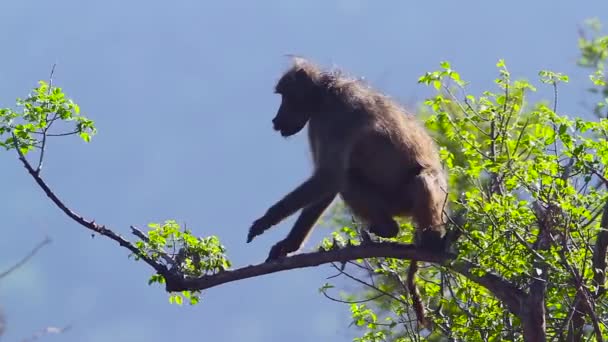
(365, 148)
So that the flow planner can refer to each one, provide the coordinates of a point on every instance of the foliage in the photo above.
(45, 107)
(187, 254)
(594, 54)
(532, 184)
(166, 245)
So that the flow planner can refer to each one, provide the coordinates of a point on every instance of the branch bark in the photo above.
(501, 288)
(302, 260)
(533, 314)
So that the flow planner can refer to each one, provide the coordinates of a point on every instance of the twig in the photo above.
(502, 289)
(371, 286)
(58, 134)
(21, 262)
(48, 125)
(365, 300)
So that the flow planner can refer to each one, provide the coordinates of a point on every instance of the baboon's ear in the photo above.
(302, 76)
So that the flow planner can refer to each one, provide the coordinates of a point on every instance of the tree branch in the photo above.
(501, 288)
(504, 290)
(584, 301)
(302, 260)
(89, 224)
(21, 262)
(599, 255)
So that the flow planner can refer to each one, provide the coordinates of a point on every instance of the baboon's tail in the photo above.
(416, 300)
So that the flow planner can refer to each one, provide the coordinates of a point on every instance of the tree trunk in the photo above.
(533, 311)
(533, 323)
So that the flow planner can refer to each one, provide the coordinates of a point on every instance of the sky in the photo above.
(181, 94)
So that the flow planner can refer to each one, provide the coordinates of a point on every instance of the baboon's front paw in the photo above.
(280, 250)
(258, 227)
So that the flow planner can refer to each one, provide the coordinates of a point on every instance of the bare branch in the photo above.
(63, 134)
(25, 259)
(89, 224)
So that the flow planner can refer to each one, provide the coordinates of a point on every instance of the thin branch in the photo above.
(502, 289)
(586, 303)
(89, 224)
(351, 301)
(586, 300)
(371, 286)
(51, 75)
(364, 300)
(58, 134)
(599, 255)
(48, 125)
(62, 134)
(25, 259)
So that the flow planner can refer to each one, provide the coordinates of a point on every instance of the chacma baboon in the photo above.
(367, 149)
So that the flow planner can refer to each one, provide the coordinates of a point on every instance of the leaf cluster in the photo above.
(183, 253)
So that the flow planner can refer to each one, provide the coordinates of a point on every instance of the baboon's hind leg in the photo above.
(428, 210)
(369, 204)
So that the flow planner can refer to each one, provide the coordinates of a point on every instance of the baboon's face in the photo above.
(291, 116)
(300, 98)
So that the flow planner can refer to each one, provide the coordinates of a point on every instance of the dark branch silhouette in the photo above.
(25, 259)
(89, 224)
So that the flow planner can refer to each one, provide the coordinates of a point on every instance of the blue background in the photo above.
(181, 93)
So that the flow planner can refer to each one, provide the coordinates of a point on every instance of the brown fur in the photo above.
(364, 147)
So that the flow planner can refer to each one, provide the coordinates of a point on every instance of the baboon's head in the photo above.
(300, 98)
